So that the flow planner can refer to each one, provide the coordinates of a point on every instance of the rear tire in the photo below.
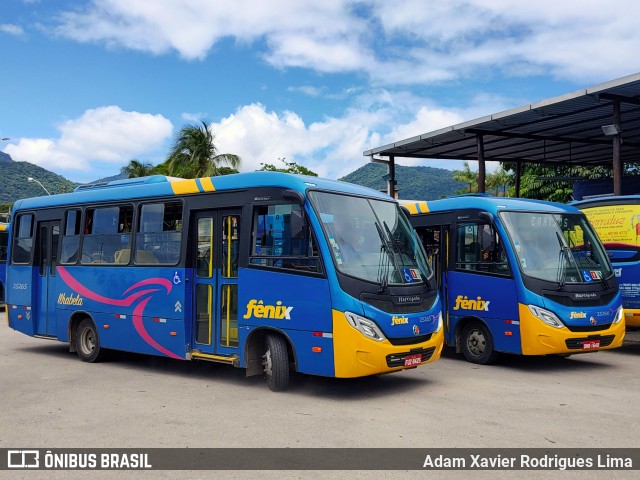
(477, 344)
(88, 342)
(276, 363)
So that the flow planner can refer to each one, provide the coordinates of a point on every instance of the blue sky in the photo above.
(86, 86)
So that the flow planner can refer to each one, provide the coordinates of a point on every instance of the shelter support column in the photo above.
(518, 177)
(391, 187)
(481, 164)
(617, 144)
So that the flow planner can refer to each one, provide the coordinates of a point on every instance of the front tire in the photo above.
(477, 344)
(88, 342)
(276, 363)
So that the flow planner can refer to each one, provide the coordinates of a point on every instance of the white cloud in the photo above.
(392, 41)
(96, 144)
(333, 147)
(11, 29)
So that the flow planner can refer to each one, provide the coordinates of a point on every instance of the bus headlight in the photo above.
(546, 316)
(440, 322)
(366, 327)
(619, 315)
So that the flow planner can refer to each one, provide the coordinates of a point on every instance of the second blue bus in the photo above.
(519, 276)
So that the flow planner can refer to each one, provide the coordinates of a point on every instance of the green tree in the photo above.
(136, 169)
(194, 153)
(499, 180)
(555, 183)
(290, 167)
(466, 176)
(5, 211)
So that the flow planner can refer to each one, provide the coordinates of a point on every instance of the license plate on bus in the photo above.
(589, 344)
(413, 360)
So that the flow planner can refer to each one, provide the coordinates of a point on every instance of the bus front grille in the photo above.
(397, 359)
(589, 328)
(576, 343)
(410, 340)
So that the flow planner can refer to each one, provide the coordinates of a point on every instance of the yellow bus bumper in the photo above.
(632, 317)
(538, 338)
(358, 356)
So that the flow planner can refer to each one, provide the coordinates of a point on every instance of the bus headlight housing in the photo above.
(366, 327)
(619, 315)
(440, 322)
(546, 316)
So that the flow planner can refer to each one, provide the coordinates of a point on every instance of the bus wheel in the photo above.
(477, 344)
(88, 343)
(276, 363)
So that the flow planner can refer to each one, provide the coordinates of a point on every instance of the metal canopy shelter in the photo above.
(596, 126)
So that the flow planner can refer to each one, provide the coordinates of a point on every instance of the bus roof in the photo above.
(160, 185)
(485, 203)
(607, 200)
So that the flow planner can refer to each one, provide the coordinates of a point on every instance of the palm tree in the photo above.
(499, 179)
(194, 153)
(137, 169)
(467, 176)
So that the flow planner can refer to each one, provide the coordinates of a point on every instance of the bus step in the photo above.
(235, 361)
(46, 337)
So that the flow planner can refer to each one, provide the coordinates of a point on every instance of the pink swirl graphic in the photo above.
(138, 311)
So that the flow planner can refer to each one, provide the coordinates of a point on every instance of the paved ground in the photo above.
(50, 399)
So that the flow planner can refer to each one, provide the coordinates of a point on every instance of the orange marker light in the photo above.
(173, 334)
(508, 333)
(316, 349)
(105, 326)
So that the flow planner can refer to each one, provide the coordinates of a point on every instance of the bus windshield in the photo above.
(370, 239)
(555, 247)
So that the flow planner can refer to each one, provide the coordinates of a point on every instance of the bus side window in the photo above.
(282, 238)
(159, 235)
(107, 231)
(23, 240)
(71, 237)
(480, 249)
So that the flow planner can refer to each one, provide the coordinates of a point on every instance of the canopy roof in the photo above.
(562, 130)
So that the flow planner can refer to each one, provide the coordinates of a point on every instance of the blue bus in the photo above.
(265, 271)
(617, 223)
(4, 236)
(519, 276)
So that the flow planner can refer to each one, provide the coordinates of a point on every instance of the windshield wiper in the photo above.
(590, 262)
(563, 262)
(387, 248)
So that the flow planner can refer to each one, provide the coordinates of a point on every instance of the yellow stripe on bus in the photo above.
(417, 207)
(183, 187)
(207, 184)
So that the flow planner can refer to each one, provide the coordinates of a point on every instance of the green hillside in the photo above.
(414, 183)
(14, 184)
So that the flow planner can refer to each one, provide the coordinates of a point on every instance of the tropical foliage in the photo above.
(555, 184)
(136, 168)
(290, 167)
(496, 183)
(194, 154)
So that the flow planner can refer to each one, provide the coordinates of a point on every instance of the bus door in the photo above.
(435, 239)
(45, 262)
(480, 284)
(216, 281)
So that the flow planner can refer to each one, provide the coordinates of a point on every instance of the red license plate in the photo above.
(589, 344)
(413, 360)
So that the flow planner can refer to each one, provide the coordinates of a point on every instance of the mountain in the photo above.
(413, 183)
(14, 184)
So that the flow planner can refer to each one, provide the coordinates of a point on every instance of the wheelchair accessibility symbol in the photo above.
(408, 278)
(176, 278)
(586, 276)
